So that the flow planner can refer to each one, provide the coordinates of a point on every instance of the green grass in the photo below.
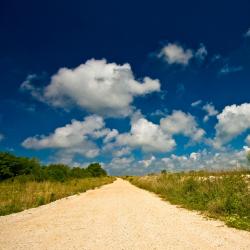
(18, 194)
(221, 195)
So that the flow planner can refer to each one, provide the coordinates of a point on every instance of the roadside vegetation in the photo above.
(222, 195)
(25, 183)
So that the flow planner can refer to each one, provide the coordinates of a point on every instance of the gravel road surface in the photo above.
(116, 216)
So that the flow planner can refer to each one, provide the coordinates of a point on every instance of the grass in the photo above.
(17, 194)
(220, 195)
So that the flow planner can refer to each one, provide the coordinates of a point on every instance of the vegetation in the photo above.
(222, 195)
(12, 166)
(25, 183)
(18, 194)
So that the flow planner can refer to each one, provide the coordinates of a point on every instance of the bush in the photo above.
(11, 166)
(26, 169)
(57, 172)
(96, 170)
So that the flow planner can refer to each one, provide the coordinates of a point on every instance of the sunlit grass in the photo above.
(17, 195)
(223, 195)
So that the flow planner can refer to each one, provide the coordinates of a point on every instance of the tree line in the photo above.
(12, 166)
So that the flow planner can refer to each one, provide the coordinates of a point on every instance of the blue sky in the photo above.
(137, 87)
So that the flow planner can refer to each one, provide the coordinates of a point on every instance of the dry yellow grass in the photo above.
(16, 195)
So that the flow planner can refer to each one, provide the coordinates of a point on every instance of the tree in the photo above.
(11, 165)
(96, 170)
(57, 172)
(78, 172)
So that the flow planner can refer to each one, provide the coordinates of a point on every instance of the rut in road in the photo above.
(116, 216)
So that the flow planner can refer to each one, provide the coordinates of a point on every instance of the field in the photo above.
(221, 195)
(18, 194)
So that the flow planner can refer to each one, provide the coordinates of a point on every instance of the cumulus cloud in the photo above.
(232, 121)
(174, 53)
(121, 165)
(147, 162)
(194, 156)
(147, 136)
(111, 135)
(151, 137)
(121, 152)
(181, 123)
(103, 88)
(73, 138)
(246, 148)
(205, 160)
(211, 111)
(128, 165)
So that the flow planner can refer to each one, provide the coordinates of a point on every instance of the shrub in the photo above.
(96, 170)
(57, 172)
(27, 169)
(11, 166)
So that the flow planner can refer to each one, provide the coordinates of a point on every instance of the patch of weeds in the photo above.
(40, 200)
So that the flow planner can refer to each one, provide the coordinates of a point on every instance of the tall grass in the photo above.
(223, 195)
(19, 194)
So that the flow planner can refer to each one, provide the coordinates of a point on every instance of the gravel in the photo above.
(116, 216)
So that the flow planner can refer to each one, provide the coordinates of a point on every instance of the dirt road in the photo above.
(116, 216)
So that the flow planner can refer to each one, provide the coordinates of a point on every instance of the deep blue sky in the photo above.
(40, 37)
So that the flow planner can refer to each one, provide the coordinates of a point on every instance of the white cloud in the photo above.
(99, 87)
(73, 138)
(197, 103)
(110, 135)
(175, 54)
(232, 121)
(181, 123)
(201, 160)
(205, 160)
(121, 165)
(211, 111)
(147, 162)
(147, 136)
(195, 161)
(151, 137)
(246, 148)
(226, 69)
(121, 152)
(247, 34)
(194, 156)
(247, 140)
